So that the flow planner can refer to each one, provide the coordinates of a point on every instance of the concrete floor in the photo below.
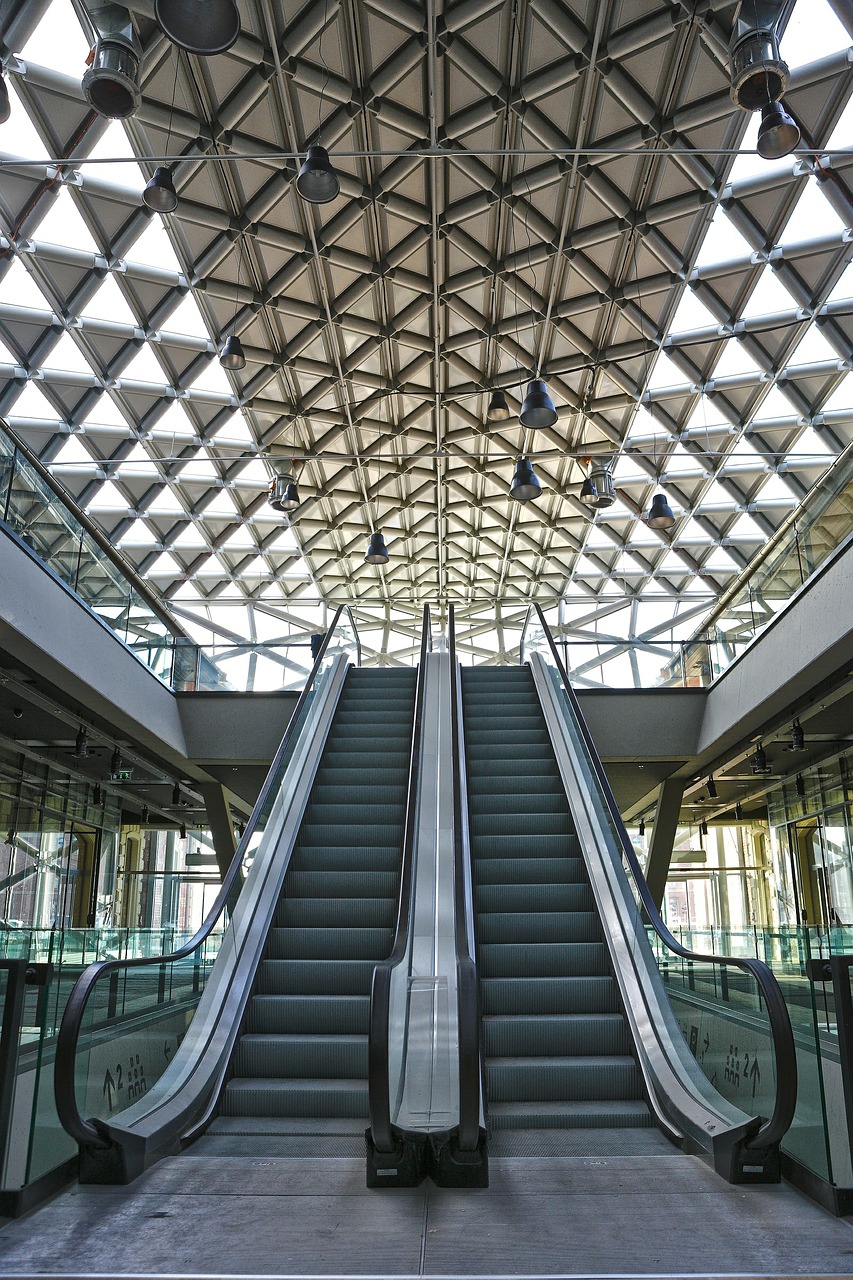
(660, 1213)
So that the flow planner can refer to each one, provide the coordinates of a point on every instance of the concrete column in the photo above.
(220, 824)
(663, 836)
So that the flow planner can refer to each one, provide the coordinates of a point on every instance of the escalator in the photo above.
(272, 1046)
(589, 1047)
(556, 1042)
(300, 1066)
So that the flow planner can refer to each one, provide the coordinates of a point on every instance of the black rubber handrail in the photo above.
(468, 989)
(379, 1081)
(774, 1129)
(83, 1131)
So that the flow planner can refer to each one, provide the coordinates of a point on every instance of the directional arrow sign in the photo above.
(109, 1087)
(755, 1075)
(167, 1050)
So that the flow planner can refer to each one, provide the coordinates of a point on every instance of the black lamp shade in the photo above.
(498, 410)
(317, 181)
(377, 552)
(778, 133)
(589, 493)
(199, 26)
(525, 483)
(660, 513)
(538, 408)
(5, 104)
(160, 194)
(81, 746)
(290, 497)
(232, 356)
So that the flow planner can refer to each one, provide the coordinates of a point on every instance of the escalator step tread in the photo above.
(538, 926)
(555, 823)
(543, 959)
(342, 883)
(533, 870)
(267, 1056)
(357, 859)
(558, 845)
(295, 1097)
(335, 913)
(549, 995)
(548, 897)
(604, 1114)
(555, 1035)
(328, 944)
(316, 977)
(308, 1015)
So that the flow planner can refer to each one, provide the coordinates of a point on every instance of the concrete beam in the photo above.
(663, 836)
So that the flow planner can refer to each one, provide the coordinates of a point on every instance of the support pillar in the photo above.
(670, 793)
(220, 824)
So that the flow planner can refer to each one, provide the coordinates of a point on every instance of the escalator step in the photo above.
(539, 926)
(317, 833)
(604, 1114)
(351, 811)
(540, 959)
(336, 913)
(306, 1015)
(535, 824)
(501, 762)
(581, 1079)
(335, 791)
(502, 799)
(263, 1056)
(485, 787)
(328, 944)
(343, 860)
(342, 884)
(315, 977)
(295, 1098)
(566, 1035)
(531, 870)
(560, 845)
(525, 898)
(515, 738)
(549, 995)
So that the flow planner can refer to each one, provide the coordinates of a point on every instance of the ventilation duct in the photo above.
(111, 83)
(759, 75)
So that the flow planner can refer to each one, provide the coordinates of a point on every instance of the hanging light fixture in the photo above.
(160, 194)
(115, 764)
(317, 181)
(712, 787)
(778, 133)
(498, 410)
(176, 793)
(81, 745)
(525, 483)
(97, 796)
(703, 828)
(642, 827)
(5, 102)
(798, 738)
(204, 27)
(759, 761)
(801, 786)
(283, 492)
(538, 408)
(232, 355)
(597, 490)
(377, 552)
(144, 816)
(738, 810)
(183, 831)
(660, 513)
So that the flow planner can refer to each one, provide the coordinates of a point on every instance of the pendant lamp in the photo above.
(232, 356)
(498, 410)
(538, 408)
(204, 27)
(778, 132)
(317, 181)
(525, 483)
(160, 194)
(377, 552)
(660, 513)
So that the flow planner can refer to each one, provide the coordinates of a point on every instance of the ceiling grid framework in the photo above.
(531, 187)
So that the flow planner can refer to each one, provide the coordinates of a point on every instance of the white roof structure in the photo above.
(560, 188)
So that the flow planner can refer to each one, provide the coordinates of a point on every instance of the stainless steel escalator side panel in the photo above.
(183, 1095)
(685, 1104)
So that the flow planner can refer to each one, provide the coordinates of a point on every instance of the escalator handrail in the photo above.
(83, 1131)
(774, 1129)
(379, 1099)
(468, 1000)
